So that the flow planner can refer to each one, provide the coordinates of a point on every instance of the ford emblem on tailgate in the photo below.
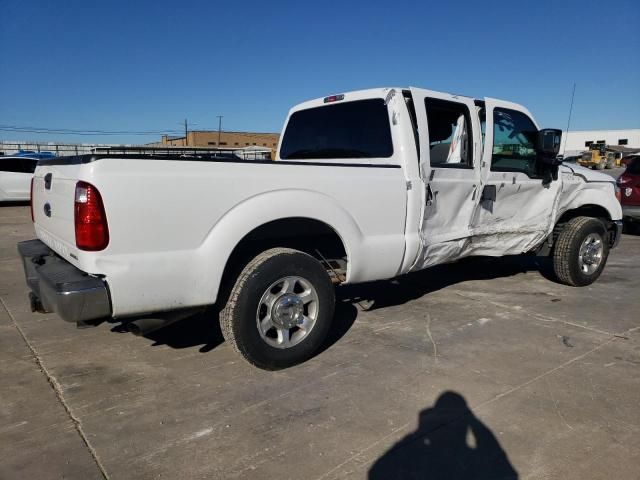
(47, 209)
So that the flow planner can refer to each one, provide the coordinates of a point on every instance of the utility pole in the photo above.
(219, 128)
(186, 131)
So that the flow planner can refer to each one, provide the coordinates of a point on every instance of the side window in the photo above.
(450, 137)
(514, 142)
(13, 165)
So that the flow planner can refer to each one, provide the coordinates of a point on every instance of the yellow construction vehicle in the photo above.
(596, 157)
(614, 158)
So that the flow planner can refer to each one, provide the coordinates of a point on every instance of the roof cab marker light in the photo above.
(333, 98)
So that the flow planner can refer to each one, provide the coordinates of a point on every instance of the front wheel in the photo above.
(280, 309)
(581, 251)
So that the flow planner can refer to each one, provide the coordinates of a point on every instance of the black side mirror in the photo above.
(549, 145)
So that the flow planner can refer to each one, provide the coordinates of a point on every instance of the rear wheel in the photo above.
(581, 251)
(280, 309)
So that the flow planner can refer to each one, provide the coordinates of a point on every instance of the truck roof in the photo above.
(380, 92)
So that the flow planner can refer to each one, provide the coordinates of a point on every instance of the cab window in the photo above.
(514, 142)
(358, 129)
(13, 165)
(450, 137)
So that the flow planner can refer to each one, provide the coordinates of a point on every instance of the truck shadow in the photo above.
(632, 228)
(202, 330)
(450, 443)
(409, 287)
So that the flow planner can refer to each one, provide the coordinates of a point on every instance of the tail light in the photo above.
(31, 199)
(92, 232)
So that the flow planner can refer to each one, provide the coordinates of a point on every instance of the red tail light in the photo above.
(31, 200)
(92, 232)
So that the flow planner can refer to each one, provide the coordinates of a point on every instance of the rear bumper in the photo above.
(57, 286)
(631, 211)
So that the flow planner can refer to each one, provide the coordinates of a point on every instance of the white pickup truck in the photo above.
(367, 185)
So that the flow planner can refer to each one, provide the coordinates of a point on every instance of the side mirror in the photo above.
(549, 145)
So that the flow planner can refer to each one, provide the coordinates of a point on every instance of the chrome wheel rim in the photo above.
(590, 253)
(287, 312)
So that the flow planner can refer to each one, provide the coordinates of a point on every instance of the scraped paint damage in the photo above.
(522, 217)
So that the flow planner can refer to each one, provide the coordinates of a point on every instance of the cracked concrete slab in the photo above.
(37, 437)
(486, 360)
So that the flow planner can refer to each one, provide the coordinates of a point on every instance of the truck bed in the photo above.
(170, 217)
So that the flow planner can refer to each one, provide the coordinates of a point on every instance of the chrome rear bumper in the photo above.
(57, 286)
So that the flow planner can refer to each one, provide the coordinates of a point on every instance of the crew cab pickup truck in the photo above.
(366, 185)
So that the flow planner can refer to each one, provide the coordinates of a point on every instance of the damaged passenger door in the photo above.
(449, 137)
(518, 195)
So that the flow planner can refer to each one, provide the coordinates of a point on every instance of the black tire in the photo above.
(566, 251)
(238, 319)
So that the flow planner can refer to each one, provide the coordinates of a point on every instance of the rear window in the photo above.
(357, 129)
(18, 165)
(634, 166)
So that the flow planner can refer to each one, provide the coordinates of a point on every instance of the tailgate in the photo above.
(53, 207)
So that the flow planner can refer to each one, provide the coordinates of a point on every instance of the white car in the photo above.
(16, 172)
(367, 185)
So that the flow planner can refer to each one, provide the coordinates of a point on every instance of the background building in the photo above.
(223, 139)
(579, 140)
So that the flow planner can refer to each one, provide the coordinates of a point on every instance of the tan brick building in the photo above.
(209, 138)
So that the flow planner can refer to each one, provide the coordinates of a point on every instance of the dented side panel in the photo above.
(519, 218)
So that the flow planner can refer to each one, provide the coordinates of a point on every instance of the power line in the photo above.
(71, 131)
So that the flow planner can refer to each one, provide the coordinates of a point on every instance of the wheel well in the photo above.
(311, 236)
(594, 211)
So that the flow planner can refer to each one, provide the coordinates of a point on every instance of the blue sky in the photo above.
(146, 65)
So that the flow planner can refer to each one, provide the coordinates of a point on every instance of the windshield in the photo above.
(357, 129)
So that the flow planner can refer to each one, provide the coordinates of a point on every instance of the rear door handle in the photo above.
(429, 195)
(489, 192)
(47, 181)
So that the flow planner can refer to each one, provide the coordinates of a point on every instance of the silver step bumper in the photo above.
(57, 286)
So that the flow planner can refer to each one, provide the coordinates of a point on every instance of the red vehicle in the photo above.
(629, 183)
(624, 161)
